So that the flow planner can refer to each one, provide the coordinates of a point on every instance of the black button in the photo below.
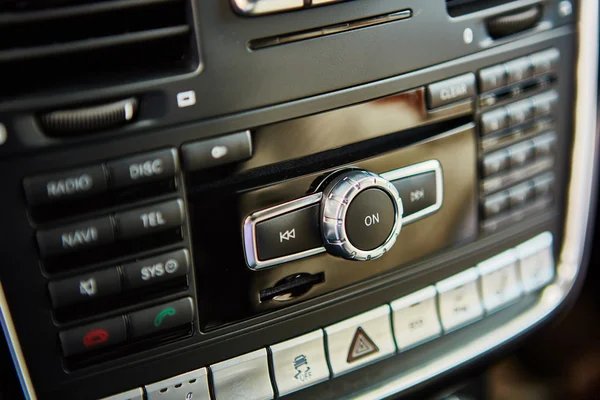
(370, 219)
(85, 287)
(492, 78)
(218, 151)
(493, 121)
(518, 70)
(95, 336)
(451, 90)
(417, 192)
(144, 168)
(161, 318)
(76, 184)
(156, 270)
(289, 233)
(71, 238)
(149, 220)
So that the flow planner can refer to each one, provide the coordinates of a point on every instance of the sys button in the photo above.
(417, 192)
(157, 270)
(288, 234)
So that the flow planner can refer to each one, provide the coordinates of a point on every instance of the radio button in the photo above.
(289, 233)
(459, 300)
(76, 237)
(84, 288)
(545, 61)
(492, 78)
(493, 121)
(95, 336)
(150, 220)
(144, 168)
(76, 184)
(417, 192)
(218, 151)
(520, 112)
(162, 318)
(518, 70)
(495, 163)
(451, 90)
(157, 270)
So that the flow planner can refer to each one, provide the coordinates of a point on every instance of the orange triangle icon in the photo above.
(361, 346)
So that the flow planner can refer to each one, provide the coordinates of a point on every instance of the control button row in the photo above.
(106, 283)
(518, 113)
(514, 71)
(519, 154)
(519, 195)
(106, 230)
(113, 331)
(451, 90)
(366, 338)
(94, 180)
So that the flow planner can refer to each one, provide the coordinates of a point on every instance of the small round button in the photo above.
(370, 219)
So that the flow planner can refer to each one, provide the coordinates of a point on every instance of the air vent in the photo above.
(47, 45)
(462, 7)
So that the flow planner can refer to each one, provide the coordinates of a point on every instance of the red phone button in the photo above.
(95, 336)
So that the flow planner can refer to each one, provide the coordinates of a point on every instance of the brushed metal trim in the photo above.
(580, 196)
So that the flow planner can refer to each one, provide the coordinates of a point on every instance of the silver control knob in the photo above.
(361, 215)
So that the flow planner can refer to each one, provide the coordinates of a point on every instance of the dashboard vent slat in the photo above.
(87, 44)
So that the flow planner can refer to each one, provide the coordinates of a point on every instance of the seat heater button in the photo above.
(149, 220)
(134, 394)
(451, 90)
(360, 340)
(417, 192)
(299, 362)
(243, 377)
(500, 284)
(143, 168)
(459, 301)
(83, 288)
(415, 318)
(217, 151)
(94, 336)
(162, 318)
(76, 237)
(536, 262)
(157, 270)
(68, 185)
(191, 385)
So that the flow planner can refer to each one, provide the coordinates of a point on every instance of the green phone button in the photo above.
(164, 317)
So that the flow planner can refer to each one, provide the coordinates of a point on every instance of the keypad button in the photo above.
(520, 153)
(68, 185)
(543, 184)
(95, 336)
(494, 163)
(154, 320)
(494, 121)
(259, 7)
(417, 192)
(143, 168)
(500, 284)
(360, 340)
(222, 150)
(518, 70)
(544, 145)
(495, 204)
(520, 112)
(189, 386)
(536, 262)
(243, 377)
(545, 61)
(415, 318)
(545, 103)
(149, 220)
(84, 235)
(458, 298)
(299, 362)
(157, 270)
(451, 90)
(83, 288)
(519, 195)
(492, 78)
(134, 394)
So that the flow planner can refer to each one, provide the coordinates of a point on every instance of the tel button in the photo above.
(144, 168)
(75, 184)
(94, 336)
(162, 318)
(71, 238)
(157, 270)
(84, 288)
(149, 220)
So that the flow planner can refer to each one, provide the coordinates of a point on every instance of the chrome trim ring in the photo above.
(336, 201)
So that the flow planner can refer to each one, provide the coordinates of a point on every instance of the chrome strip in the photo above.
(417, 169)
(250, 249)
(8, 327)
(580, 195)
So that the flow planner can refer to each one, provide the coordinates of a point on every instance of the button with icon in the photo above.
(176, 314)
(217, 151)
(92, 337)
(83, 288)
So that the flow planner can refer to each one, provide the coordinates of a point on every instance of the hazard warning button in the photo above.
(360, 340)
